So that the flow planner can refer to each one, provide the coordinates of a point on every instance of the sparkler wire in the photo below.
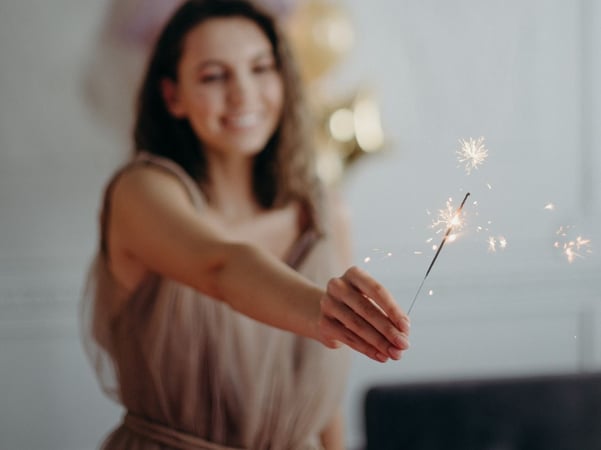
(444, 239)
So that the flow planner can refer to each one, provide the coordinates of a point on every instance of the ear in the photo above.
(169, 90)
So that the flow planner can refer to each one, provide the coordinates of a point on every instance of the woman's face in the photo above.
(229, 86)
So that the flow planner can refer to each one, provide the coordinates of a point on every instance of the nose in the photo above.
(240, 89)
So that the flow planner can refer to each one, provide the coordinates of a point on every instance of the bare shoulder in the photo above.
(143, 183)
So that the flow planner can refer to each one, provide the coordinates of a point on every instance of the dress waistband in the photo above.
(168, 436)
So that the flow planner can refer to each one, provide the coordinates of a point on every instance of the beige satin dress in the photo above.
(191, 373)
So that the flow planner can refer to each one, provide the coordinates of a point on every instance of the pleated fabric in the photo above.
(191, 373)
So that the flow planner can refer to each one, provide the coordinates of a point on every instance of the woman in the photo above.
(208, 317)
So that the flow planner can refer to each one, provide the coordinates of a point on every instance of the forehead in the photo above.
(225, 39)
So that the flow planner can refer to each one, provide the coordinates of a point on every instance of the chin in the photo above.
(250, 145)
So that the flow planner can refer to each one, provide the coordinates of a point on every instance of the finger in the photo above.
(380, 296)
(340, 333)
(360, 327)
(365, 318)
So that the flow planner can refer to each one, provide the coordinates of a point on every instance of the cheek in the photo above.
(274, 94)
(203, 102)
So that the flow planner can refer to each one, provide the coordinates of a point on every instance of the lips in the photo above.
(242, 121)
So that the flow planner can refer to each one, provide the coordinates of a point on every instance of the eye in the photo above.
(212, 77)
(264, 67)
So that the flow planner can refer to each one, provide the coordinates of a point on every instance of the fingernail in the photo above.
(381, 357)
(394, 353)
(401, 341)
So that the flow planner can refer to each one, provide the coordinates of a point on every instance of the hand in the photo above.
(359, 312)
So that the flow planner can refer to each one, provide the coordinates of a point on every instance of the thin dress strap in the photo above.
(301, 247)
(145, 158)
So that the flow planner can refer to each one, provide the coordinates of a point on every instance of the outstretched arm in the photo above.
(155, 223)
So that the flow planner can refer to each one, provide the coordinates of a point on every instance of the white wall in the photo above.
(521, 74)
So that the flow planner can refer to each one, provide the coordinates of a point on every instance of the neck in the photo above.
(230, 188)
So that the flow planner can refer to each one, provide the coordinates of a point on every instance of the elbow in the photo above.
(220, 275)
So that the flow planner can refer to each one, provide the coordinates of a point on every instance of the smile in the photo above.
(247, 120)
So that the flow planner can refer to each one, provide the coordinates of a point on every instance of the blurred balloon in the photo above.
(279, 8)
(321, 34)
(346, 132)
(140, 21)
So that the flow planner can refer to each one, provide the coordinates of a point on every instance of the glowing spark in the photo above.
(447, 218)
(492, 244)
(502, 242)
(550, 207)
(418, 252)
(571, 248)
(378, 252)
(444, 239)
(430, 292)
(472, 153)
(489, 186)
(496, 242)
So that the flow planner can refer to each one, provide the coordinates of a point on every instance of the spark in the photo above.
(383, 254)
(472, 153)
(550, 207)
(571, 248)
(496, 242)
(447, 218)
(502, 242)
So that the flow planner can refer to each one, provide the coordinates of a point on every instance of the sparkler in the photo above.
(454, 221)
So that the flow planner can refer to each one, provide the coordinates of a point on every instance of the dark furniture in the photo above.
(559, 412)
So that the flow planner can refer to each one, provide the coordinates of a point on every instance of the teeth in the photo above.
(243, 120)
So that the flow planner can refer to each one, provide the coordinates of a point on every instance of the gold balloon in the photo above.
(321, 35)
(346, 132)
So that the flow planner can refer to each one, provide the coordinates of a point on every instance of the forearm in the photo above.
(257, 285)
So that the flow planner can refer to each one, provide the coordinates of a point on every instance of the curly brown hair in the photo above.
(284, 170)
